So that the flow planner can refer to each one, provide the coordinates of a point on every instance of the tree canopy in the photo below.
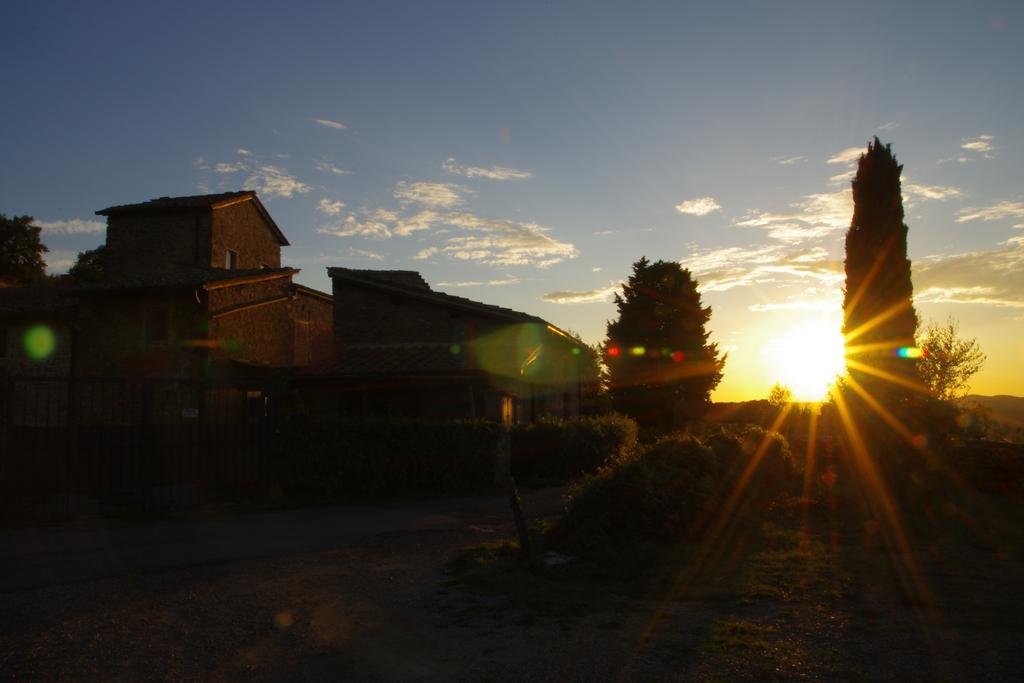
(949, 361)
(21, 251)
(89, 266)
(878, 310)
(660, 363)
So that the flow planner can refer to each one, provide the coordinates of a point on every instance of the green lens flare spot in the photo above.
(40, 342)
(455, 349)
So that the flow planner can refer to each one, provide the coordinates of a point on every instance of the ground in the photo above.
(448, 600)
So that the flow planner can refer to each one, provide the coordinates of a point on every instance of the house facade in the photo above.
(192, 290)
(402, 349)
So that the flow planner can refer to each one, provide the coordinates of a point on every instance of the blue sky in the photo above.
(538, 149)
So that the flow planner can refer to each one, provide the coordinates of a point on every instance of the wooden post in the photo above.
(517, 514)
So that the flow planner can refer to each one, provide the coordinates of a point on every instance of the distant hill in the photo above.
(1006, 413)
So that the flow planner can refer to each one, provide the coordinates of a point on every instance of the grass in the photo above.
(814, 596)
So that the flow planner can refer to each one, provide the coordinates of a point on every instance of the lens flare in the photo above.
(911, 352)
(40, 342)
(638, 351)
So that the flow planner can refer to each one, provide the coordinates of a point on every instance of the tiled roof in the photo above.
(373, 279)
(35, 299)
(173, 277)
(197, 201)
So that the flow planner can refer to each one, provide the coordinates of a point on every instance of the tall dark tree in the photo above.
(21, 251)
(878, 310)
(661, 366)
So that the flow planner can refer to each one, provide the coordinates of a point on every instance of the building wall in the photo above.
(549, 385)
(137, 240)
(112, 338)
(313, 321)
(241, 228)
(264, 334)
(365, 316)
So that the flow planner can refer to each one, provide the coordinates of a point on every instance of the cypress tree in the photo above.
(878, 310)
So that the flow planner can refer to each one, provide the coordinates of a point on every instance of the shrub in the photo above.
(777, 471)
(374, 456)
(659, 494)
(567, 448)
(672, 490)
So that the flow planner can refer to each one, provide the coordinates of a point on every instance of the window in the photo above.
(157, 325)
(231, 260)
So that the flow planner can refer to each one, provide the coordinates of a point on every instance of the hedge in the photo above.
(554, 448)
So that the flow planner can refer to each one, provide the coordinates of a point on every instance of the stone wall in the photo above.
(112, 339)
(142, 240)
(241, 228)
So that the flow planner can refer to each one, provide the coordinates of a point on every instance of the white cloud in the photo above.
(492, 173)
(329, 207)
(501, 242)
(990, 277)
(419, 221)
(330, 124)
(327, 167)
(244, 152)
(275, 181)
(351, 226)
(73, 226)
(840, 178)
(724, 269)
(587, 296)
(481, 283)
(426, 253)
(788, 161)
(799, 304)
(701, 206)
(363, 253)
(816, 215)
(438, 195)
(200, 163)
(982, 143)
(914, 191)
(59, 261)
(889, 126)
(228, 168)
(992, 213)
(504, 243)
(847, 156)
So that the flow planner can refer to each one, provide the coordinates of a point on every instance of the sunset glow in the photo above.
(807, 359)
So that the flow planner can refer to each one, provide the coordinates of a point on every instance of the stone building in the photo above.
(192, 290)
(402, 349)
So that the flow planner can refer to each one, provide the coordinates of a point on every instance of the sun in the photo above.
(807, 359)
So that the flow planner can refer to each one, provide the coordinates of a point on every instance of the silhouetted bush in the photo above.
(657, 495)
(673, 490)
(568, 448)
(361, 457)
(776, 472)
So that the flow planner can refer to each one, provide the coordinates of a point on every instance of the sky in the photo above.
(526, 154)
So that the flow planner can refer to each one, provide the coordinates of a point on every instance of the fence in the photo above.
(68, 446)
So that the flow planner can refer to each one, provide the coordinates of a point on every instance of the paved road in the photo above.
(31, 558)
